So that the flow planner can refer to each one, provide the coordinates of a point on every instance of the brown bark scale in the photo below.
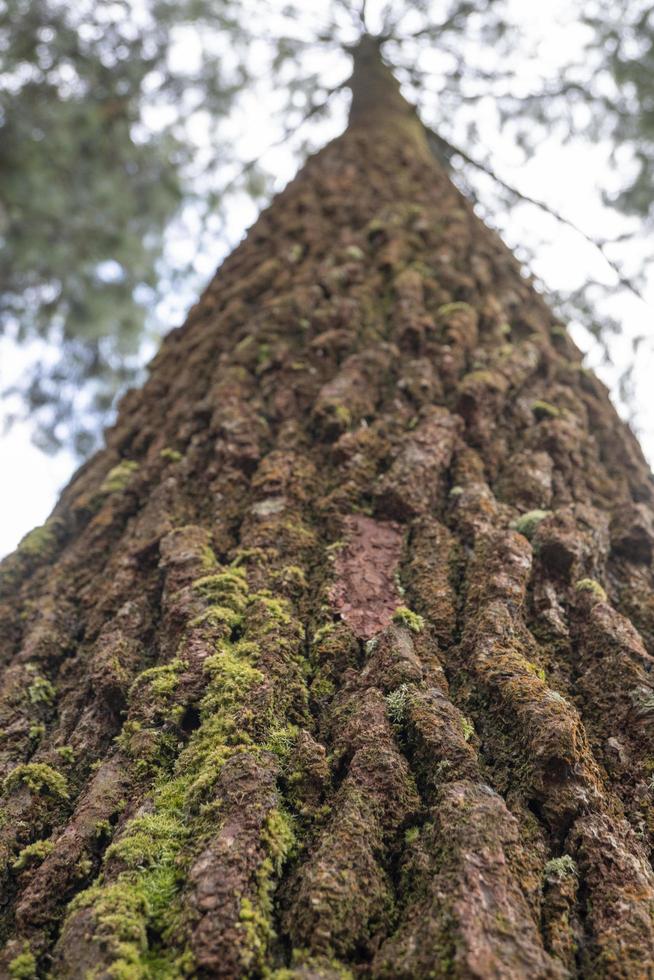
(336, 662)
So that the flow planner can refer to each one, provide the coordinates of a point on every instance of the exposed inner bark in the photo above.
(208, 772)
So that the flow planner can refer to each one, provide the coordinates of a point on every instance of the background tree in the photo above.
(121, 160)
(336, 661)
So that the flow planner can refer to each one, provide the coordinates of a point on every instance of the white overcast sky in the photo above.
(570, 178)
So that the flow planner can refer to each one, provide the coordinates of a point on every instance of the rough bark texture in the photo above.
(337, 660)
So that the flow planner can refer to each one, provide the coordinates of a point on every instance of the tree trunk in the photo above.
(335, 661)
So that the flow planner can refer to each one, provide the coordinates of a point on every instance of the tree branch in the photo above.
(442, 146)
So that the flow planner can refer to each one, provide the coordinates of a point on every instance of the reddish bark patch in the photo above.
(364, 592)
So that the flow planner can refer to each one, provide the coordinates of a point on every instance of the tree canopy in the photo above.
(124, 145)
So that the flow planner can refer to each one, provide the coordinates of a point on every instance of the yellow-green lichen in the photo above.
(39, 778)
(527, 523)
(591, 586)
(33, 854)
(404, 616)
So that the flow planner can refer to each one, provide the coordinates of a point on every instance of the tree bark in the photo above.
(336, 661)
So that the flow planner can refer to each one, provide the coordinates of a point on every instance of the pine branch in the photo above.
(442, 147)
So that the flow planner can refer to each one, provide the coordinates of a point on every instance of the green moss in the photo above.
(590, 585)
(561, 867)
(162, 680)
(449, 308)
(292, 578)
(406, 617)
(282, 740)
(483, 377)
(66, 753)
(318, 967)
(322, 633)
(411, 835)
(227, 587)
(263, 354)
(322, 688)
(33, 854)
(544, 410)
(136, 913)
(397, 703)
(23, 966)
(256, 915)
(141, 902)
(171, 455)
(41, 691)
(456, 491)
(37, 730)
(150, 841)
(39, 542)
(118, 478)
(342, 415)
(103, 828)
(39, 778)
(527, 523)
(468, 728)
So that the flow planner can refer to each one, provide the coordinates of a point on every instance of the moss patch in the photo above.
(136, 905)
(33, 854)
(406, 617)
(23, 966)
(41, 691)
(397, 703)
(591, 586)
(561, 867)
(527, 523)
(117, 478)
(39, 778)
(544, 410)
(38, 541)
(170, 455)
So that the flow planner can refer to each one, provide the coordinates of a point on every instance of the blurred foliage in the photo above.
(119, 121)
(94, 153)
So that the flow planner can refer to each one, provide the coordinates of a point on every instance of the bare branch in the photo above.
(443, 147)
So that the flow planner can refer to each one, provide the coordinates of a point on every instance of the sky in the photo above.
(570, 178)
